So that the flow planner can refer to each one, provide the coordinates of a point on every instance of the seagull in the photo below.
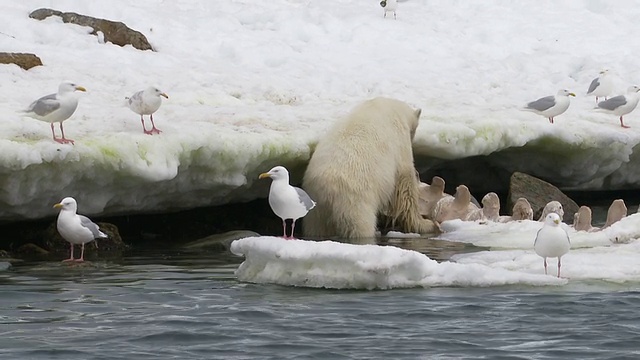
(76, 229)
(146, 102)
(286, 201)
(56, 108)
(552, 207)
(602, 86)
(622, 104)
(552, 240)
(551, 106)
(389, 6)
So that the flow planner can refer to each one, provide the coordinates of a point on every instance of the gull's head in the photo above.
(156, 92)
(565, 92)
(67, 203)
(552, 219)
(68, 86)
(278, 172)
(633, 89)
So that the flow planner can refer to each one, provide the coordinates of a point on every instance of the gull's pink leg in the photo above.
(284, 229)
(154, 129)
(559, 267)
(622, 124)
(545, 266)
(53, 131)
(81, 259)
(64, 140)
(71, 257)
(551, 120)
(144, 128)
(293, 226)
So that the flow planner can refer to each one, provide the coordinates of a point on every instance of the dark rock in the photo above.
(219, 242)
(32, 251)
(114, 32)
(24, 60)
(539, 193)
(112, 246)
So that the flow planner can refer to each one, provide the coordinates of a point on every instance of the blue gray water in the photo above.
(168, 305)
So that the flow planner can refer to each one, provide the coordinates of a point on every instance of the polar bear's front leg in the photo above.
(405, 213)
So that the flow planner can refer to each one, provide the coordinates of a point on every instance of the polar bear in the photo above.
(362, 168)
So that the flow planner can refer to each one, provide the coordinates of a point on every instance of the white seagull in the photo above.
(622, 104)
(56, 108)
(286, 201)
(551, 106)
(146, 102)
(602, 86)
(552, 240)
(76, 229)
(389, 6)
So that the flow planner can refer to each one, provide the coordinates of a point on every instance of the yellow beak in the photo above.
(57, 206)
(165, 95)
(572, 94)
(556, 221)
(264, 175)
(80, 88)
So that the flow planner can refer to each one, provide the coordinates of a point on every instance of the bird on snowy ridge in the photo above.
(622, 104)
(551, 106)
(389, 6)
(147, 102)
(56, 108)
(602, 86)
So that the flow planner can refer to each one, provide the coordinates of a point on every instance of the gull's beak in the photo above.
(57, 206)
(165, 95)
(556, 221)
(264, 175)
(80, 88)
(572, 94)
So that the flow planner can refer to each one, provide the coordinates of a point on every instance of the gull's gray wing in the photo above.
(542, 104)
(305, 199)
(137, 98)
(613, 103)
(45, 105)
(93, 227)
(537, 235)
(594, 84)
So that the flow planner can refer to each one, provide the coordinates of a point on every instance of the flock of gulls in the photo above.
(602, 86)
(58, 107)
(551, 241)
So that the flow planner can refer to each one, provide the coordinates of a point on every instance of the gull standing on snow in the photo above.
(76, 229)
(622, 104)
(56, 108)
(286, 201)
(551, 106)
(552, 240)
(389, 6)
(602, 86)
(146, 102)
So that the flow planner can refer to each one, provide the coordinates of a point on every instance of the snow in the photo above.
(335, 265)
(505, 257)
(254, 84)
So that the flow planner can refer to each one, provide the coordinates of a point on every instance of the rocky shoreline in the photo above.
(213, 228)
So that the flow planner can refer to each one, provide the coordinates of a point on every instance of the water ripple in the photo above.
(193, 308)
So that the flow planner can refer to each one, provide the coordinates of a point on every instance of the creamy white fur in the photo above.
(363, 168)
